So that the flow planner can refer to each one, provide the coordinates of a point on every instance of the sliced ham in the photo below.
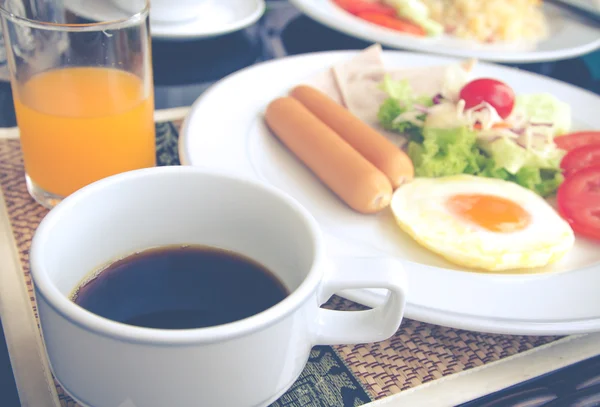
(358, 80)
(326, 83)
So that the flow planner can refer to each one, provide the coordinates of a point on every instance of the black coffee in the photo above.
(180, 287)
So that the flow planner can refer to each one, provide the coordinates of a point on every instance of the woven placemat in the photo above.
(335, 376)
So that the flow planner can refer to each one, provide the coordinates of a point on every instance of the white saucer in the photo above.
(223, 17)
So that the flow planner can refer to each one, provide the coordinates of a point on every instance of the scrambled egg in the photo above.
(482, 223)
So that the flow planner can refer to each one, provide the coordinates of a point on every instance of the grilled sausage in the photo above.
(377, 149)
(347, 173)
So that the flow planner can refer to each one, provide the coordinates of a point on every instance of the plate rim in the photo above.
(307, 7)
(467, 322)
(367, 297)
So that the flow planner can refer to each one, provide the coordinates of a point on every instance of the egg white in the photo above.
(421, 211)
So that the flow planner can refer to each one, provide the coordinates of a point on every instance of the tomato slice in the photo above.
(581, 138)
(392, 22)
(362, 6)
(579, 201)
(580, 157)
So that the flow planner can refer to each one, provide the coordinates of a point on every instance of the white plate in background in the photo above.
(570, 36)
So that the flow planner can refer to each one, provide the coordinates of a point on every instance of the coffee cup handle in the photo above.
(352, 327)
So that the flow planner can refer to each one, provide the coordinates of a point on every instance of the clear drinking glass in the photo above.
(82, 91)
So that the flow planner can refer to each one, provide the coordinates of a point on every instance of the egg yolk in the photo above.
(490, 212)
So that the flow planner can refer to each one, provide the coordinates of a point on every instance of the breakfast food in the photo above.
(347, 173)
(579, 201)
(490, 20)
(381, 152)
(454, 123)
(482, 223)
(579, 196)
(487, 21)
(356, 85)
(470, 161)
(580, 158)
(479, 127)
(571, 141)
(484, 90)
(382, 14)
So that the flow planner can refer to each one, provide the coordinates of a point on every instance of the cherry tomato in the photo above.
(579, 201)
(496, 93)
(363, 6)
(581, 138)
(393, 23)
(579, 158)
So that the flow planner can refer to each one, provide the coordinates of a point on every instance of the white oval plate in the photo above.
(224, 130)
(223, 17)
(570, 37)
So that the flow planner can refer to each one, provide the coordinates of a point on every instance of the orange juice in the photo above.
(81, 124)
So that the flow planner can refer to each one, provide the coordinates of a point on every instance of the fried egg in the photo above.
(482, 223)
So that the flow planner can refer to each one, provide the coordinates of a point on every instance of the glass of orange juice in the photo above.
(81, 76)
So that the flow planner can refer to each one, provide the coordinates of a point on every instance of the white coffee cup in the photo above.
(166, 10)
(251, 362)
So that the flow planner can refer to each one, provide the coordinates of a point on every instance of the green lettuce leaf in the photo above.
(491, 170)
(446, 152)
(403, 93)
(389, 110)
(512, 157)
(546, 108)
(401, 100)
(544, 181)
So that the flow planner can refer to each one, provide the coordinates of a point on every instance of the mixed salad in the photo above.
(480, 127)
